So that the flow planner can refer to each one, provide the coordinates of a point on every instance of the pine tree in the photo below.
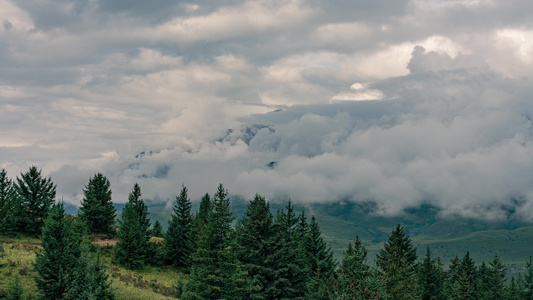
(60, 254)
(257, 249)
(397, 260)
(199, 220)
(290, 262)
(90, 280)
(464, 284)
(216, 273)
(157, 229)
(141, 209)
(431, 278)
(496, 288)
(179, 238)
(354, 274)
(133, 233)
(7, 204)
(97, 208)
(528, 280)
(35, 196)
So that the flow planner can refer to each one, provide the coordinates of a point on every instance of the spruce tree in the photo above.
(60, 254)
(292, 272)
(7, 204)
(257, 249)
(97, 208)
(216, 273)
(15, 290)
(35, 196)
(431, 278)
(90, 280)
(528, 280)
(355, 278)
(157, 230)
(320, 262)
(133, 233)
(179, 237)
(464, 284)
(199, 220)
(397, 261)
(496, 288)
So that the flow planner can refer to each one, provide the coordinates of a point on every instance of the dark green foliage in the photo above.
(61, 251)
(97, 207)
(496, 288)
(157, 229)
(290, 261)
(463, 278)
(355, 278)
(258, 249)
(515, 290)
(179, 237)
(320, 263)
(396, 260)
(15, 290)
(35, 196)
(216, 273)
(528, 280)
(7, 204)
(90, 280)
(133, 234)
(141, 210)
(431, 278)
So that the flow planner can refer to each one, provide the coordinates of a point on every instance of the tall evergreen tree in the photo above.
(179, 237)
(464, 284)
(496, 288)
(60, 254)
(216, 273)
(292, 272)
(199, 220)
(141, 209)
(133, 233)
(397, 260)
(97, 208)
(35, 196)
(258, 249)
(320, 262)
(528, 280)
(89, 279)
(157, 230)
(7, 203)
(431, 278)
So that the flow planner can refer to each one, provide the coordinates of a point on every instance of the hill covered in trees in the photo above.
(260, 252)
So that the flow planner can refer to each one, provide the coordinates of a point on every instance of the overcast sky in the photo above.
(398, 102)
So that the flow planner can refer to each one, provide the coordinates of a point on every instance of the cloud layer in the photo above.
(406, 103)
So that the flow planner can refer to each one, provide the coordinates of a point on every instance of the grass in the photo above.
(18, 254)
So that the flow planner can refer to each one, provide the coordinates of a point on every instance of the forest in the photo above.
(211, 254)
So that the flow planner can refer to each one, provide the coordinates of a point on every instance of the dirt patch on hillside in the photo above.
(104, 242)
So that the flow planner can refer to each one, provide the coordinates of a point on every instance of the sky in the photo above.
(399, 102)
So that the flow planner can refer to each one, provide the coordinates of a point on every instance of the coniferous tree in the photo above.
(464, 279)
(35, 196)
(496, 288)
(291, 263)
(90, 280)
(179, 237)
(157, 230)
(355, 278)
(258, 250)
(397, 260)
(97, 208)
(528, 280)
(320, 262)
(199, 220)
(141, 209)
(216, 273)
(7, 204)
(133, 233)
(431, 278)
(60, 254)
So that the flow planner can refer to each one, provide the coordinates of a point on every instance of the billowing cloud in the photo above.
(399, 103)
